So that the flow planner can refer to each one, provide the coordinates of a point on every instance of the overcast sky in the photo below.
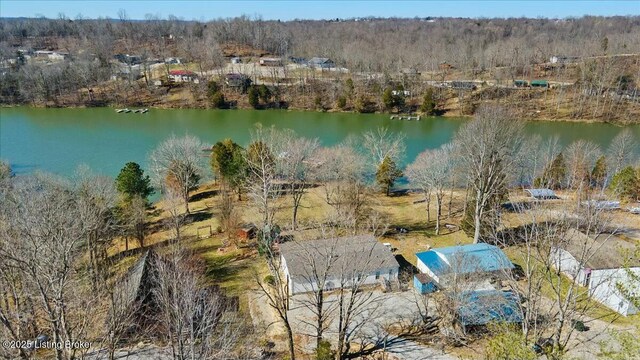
(287, 10)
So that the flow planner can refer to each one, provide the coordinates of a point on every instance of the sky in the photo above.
(288, 10)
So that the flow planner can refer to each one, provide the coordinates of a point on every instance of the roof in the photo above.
(485, 306)
(423, 278)
(361, 254)
(463, 259)
(542, 193)
(539, 82)
(181, 72)
(603, 251)
(319, 60)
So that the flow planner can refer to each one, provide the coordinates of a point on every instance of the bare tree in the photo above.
(194, 318)
(487, 147)
(431, 171)
(261, 161)
(382, 144)
(342, 170)
(44, 226)
(177, 163)
(275, 290)
(295, 166)
(621, 151)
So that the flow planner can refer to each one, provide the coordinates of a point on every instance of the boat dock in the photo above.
(405, 117)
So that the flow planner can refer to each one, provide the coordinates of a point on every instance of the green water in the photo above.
(58, 140)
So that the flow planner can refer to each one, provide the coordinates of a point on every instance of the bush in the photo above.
(324, 352)
(217, 100)
(341, 102)
(254, 97)
(269, 279)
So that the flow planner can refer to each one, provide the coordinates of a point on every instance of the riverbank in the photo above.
(552, 104)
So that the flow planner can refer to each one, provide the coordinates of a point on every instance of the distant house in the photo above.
(597, 264)
(173, 60)
(481, 307)
(321, 63)
(180, 76)
(130, 73)
(540, 83)
(297, 60)
(520, 83)
(400, 93)
(236, 60)
(480, 260)
(128, 59)
(270, 61)
(542, 194)
(345, 260)
(236, 80)
(559, 59)
(462, 85)
(51, 55)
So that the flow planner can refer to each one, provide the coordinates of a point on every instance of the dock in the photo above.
(405, 117)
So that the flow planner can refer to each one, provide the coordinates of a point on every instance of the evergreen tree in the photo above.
(554, 174)
(254, 97)
(599, 172)
(132, 182)
(228, 163)
(388, 99)
(428, 106)
(626, 183)
(217, 100)
(387, 174)
(265, 93)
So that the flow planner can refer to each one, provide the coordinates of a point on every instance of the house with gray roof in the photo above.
(599, 264)
(327, 264)
(321, 63)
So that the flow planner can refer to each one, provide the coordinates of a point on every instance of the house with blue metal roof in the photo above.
(475, 259)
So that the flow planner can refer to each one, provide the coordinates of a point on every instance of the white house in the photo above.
(336, 262)
(180, 76)
(597, 264)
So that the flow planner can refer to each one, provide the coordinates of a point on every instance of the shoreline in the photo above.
(449, 114)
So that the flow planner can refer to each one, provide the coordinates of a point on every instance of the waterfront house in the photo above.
(180, 76)
(321, 63)
(236, 80)
(270, 61)
(337, 262)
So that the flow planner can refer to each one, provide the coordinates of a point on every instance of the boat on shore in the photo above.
(135, 111)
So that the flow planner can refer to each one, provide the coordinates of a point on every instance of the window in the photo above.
(377, 274)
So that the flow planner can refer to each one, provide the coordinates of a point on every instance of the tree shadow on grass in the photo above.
(203, 195)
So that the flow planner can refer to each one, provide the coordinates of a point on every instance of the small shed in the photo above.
(540, 83)
(423, 284)
(247, 232)
(542, 194)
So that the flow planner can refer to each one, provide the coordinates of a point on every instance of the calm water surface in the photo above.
(58, 140)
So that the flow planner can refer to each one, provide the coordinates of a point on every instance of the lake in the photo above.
(58, 140)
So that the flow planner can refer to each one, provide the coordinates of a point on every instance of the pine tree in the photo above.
(132, 182)
(428, 106)
(599, 172)
(254, 97)
(387, 174)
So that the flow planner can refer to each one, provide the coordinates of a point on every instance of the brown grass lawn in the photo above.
(235, 270)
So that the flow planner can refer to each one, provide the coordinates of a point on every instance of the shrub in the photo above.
(269, 279)
(341, 102)
(324, 352)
